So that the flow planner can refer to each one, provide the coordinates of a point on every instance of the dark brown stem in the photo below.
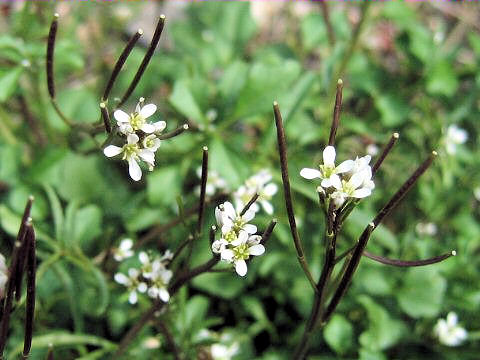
(30, 302)
(268, 231)
(403, 263)
(146, 59)
(328, 24)
(170, 340)
(50, 51)
(386, 150)
(404, 189)
(182, 280)
(105, 117)
(249, 204)
(50, 353)
(120, 62)
(173, 133)
(336, 113)
(282, 149)
(203, 187)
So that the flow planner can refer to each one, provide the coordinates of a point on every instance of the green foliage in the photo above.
(415, 69)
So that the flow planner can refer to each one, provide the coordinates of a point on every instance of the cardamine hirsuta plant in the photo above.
(157, 275)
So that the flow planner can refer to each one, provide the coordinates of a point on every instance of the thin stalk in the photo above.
(386, 150)
(120, 62)
(182, 246)
(173, 133)
(105, 117)
(404, 263)
(249, 204)
(282, 149)
(203, 187)
(30, 302)
(268, 231)
(146, 59)
(336, 113)
(50, 55)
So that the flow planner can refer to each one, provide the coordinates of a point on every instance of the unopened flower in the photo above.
(132, 283)
(257, 184)
(3, 276)
(455, 136)
(328, 172)
(241, 249)
(214, 182)
(132, 153)
(372, 149)
(138, 120)
(124, 251)
(449, 332)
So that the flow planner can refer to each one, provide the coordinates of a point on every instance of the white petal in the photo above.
(270, 190)
(132, 298)
(249, 215)
(121, 116)
(329, 156)
(134, 170)
(345, 166)
(310, 174)
(143, 257)
(241, 238)
(254, 240)
(126, 244)
(267, 207)
(148, 128)
(241, 267)
(164, 295)
(361, 193)
(160, 126)
(218, 246)
(147, 156)
(335, 182)
(229, 210)
(112, 150)
(218, 216)
(357, 179)
(121, 279)
(256, 250)
(227, 255)
(148, 110)
(249, 228)
(452, 319)
(132, 138)
(142, 287)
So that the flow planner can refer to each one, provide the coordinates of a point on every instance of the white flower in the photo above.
(151, 142)
(232, 223)
(358, 186)
(476, 193)
(214, 182)
(138, 120)
(124, 251)
(243, 247)
(160, 277)
(3, 276)
(132, 153)
(224, 352)
(426, 228)
(132, 283)
(257, 184)
(328, 172)
(454, 137)
(449, 332)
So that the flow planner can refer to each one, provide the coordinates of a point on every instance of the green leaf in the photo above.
(80, 104)
(338, 334)
(441, 79)
(163, 186)
(313, 31)
(9, 82)
(422, 292)
(383, 331)
(233, 80)
(226, 286)
(87, 225)
(63, 339)
(366, 354)
(183, 101)
(226, 162)
(393, 110)
(195, 311)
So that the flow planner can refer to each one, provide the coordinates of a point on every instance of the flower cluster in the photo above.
(257, 184)
(152, 277)
(141, 138)
(455, 136)
(449, 332)
(238, 241)
(351, 179)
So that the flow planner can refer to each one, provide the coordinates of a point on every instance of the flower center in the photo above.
(347, 187)
(130, 150)
(231, 236)
(136, 120)
(240, 252)
(327, 171)
(238, 224)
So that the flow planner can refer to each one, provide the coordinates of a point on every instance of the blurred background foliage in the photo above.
(409, 67)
